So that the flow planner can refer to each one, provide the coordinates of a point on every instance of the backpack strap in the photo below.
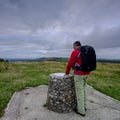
(79, 55)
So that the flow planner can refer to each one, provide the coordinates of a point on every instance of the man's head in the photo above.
(76, 45)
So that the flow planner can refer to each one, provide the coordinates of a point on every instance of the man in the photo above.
(80, 78)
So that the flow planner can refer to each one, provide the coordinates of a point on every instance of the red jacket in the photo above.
(75, 59)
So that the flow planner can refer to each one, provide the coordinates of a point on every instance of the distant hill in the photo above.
(59, 59)
(108, 60)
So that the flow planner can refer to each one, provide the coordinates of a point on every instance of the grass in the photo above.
(19, 75)
(107, 79)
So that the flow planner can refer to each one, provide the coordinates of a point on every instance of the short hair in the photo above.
(77, 43)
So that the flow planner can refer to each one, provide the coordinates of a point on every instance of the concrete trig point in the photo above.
(61, 93)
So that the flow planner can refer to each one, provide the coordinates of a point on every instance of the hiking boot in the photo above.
(76, 111)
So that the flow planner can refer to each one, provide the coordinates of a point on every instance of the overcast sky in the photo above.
(47, 28)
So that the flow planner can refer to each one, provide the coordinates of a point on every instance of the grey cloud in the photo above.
(31, 14)
(109, 53)
(105, 38)
(55, 24)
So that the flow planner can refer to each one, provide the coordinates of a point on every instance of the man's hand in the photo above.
(65, 74)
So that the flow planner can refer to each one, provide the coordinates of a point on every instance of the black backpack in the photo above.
(88, 57)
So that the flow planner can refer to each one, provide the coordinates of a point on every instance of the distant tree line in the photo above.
(2, 60)
(4, 65)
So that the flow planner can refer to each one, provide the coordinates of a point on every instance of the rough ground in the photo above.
(28, 105)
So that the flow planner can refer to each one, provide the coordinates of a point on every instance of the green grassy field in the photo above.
(17, 76)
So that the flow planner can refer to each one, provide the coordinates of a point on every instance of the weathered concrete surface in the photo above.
(28, 105)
